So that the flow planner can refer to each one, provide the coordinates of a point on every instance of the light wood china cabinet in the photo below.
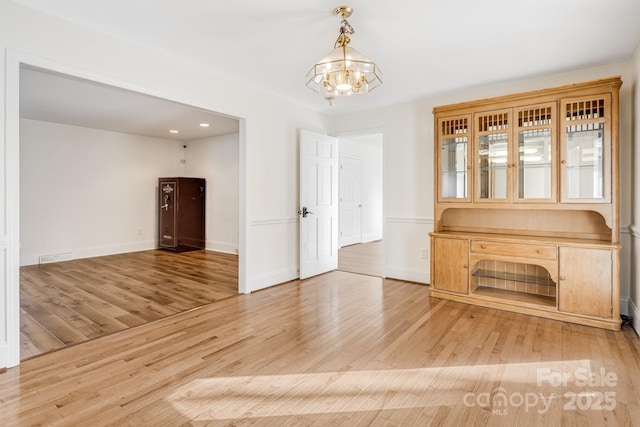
(526, 203)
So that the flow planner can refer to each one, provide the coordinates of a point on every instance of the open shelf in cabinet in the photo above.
(515, 296)
(511, 277)
(514, 281)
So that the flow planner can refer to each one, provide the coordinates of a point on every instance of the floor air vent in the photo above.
(46, 259)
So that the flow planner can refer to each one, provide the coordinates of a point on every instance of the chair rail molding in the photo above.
(274, 221)
(410, 220)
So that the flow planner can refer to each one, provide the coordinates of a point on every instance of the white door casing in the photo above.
(318, 214)
(350, 200)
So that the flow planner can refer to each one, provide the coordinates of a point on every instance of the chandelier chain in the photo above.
(343, 38)
(346, 28)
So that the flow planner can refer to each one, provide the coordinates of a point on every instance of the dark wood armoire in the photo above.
(181, 216)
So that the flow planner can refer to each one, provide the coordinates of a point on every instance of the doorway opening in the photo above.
(361, 248)
(89, 192)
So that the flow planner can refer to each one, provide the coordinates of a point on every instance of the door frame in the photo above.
(10, 305)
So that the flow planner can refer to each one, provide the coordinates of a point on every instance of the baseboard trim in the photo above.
(95, 251)
(224, 247)
(367, 238)
(4, 356)
(406, 273)
(271, 279)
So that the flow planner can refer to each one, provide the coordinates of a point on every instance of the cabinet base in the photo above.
(180, 248)
(529, 309)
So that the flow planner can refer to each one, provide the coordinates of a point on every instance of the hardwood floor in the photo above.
(70, 302)
(363, 258)
(337, 349)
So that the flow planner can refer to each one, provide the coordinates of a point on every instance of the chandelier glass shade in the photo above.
(344, 71)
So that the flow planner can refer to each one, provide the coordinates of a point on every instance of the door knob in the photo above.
(304, 212)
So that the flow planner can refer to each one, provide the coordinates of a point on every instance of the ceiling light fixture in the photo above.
(344, 71)
(204, 125)
(174, 131)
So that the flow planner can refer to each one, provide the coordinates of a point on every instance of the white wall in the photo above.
(634, 177)
(216, 160)
(368, 148)
(88, 192)
(409, 167)
(268, 181)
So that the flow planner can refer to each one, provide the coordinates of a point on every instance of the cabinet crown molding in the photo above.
(608, 83)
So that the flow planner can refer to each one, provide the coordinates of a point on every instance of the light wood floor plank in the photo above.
(362, 258)
(33, 333)
(338, 349)
(79, 300)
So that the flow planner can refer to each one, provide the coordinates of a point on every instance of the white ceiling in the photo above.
(58, 98)
(425, 47)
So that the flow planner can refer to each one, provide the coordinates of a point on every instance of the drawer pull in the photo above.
(465, 266)
(539, 251)
(562, 277)
(483, 246)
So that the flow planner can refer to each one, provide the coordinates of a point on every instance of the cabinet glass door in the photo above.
(453, 167)
(493, 156)
(535, 175)
(586, 150)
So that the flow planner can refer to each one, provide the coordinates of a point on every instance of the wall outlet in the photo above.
(423, 253)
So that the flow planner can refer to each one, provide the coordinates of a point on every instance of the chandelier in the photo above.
(344, 71)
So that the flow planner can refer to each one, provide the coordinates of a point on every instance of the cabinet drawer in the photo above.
(514, 249)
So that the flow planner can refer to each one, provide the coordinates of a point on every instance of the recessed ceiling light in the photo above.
(204, 125)
(174, 131)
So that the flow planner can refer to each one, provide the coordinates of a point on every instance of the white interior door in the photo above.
(318, 203)
(350, 200)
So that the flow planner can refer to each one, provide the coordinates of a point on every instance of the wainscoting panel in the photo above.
(276, 238)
